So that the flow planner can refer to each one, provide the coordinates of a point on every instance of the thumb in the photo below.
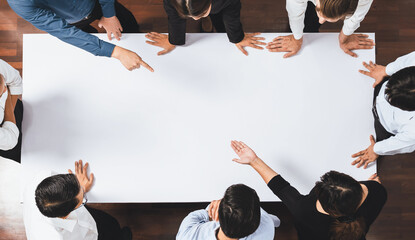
(236, 160)
(351, 53)
(91, 178)
(372, 139)
(70, 171)
(100, 24)
(162, 52)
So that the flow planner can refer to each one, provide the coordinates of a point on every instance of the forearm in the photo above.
(353, 23)
(405, 61)
(296, 14)
(394, 145)
(263, 169)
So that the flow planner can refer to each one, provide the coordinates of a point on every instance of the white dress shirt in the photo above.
(79, 225)
(296, 14)
(9, 133)
(396, 121)
(196, 226)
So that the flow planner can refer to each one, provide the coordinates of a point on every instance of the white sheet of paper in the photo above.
(165, 136)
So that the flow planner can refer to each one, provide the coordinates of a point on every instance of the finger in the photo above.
(371, 64)
(155, 34)
(367, 163)
(118, 35)
(365, 72)
(364, 47)
(255, 46)
(91, 178)
(85, 167)
(258, 42)
(109, 35)
(80, 166)
(152, 43)
(275, 46)
(362, 161)
(76, 167)
(70, 171)
(210, 210)
(254, 34)
(362, 35)
(163, 52)
(367, 66)
(373, 176)
(237, 160)
(242, 50)
(120, 28)
(238, 143)
(257, 38)
(279, 38)
(287, 55)
(372, 140)
(350, 53)
(234, 147)
(359, 154)
(144, 64)
(243, 144)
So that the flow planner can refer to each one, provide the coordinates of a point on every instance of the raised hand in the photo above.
(377, 72)
(366, 156)
(354, 42)
(246, 154)
(250, 40)
(112, 26)
(82, 175)
(160, 40)
(213, 210)
(285, 44)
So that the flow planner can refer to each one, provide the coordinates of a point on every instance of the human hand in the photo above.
(82, 176)
(354, 42)
(129, 59)
(250, 41)
(213, 210)
(160, 40)
(112, 26)
(365, 156)
(285, 44)
(377, 72)
(375, 177)
(246, 154)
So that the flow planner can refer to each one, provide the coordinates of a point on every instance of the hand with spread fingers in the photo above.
(112, 26)
(377, 72)
(375, 177)
(246, 154)
(129, 59)
(81, 173)
(250, 40)
(213, 210)
(354, 42)
(160, 40)
(366, 156)
(285, 44)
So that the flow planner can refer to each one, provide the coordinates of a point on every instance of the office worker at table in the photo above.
(69, 21)
(55, 207)
(225, 16)
(11, 112)
(393, 109)
(338, 207)
(237, 215)
(308, 15)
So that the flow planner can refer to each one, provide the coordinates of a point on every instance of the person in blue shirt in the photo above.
(69, 21)
(238, 215)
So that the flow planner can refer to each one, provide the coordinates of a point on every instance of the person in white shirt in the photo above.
(11, 112)
(237, 215)
(393, 109)
(55, 208)
(313, 13)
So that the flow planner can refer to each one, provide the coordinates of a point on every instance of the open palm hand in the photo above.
(246, 154)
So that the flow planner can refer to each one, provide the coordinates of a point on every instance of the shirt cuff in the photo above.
(106, 48)
(298, 36)
(108, 10)
(16, 90)
(390, 69)
(347, 31)
(238, 39)
(277, 183)
(14, 138)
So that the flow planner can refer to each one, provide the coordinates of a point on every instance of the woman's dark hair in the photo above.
(400, 89)
(337, 8)
(191, 8)
(56, 195)
(239, 211)
(340, 196)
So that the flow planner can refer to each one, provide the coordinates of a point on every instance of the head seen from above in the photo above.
(57, 196)
(400, 89)
(239, 211)
(195, 9)
(340, 196)
(334, 10)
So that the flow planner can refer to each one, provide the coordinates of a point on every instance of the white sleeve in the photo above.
(296, 14)
(403, 142)
(405, 61)
(9, 135)
(352, 23)
(12, 78)
(189, 225)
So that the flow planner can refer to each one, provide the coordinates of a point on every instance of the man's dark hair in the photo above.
(239, 211)
(56, 195)
(400, 89)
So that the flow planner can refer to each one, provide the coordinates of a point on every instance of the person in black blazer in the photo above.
(225, 16)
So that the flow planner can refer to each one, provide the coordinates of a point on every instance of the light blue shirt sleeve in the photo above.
(48, 21)
(190, 227)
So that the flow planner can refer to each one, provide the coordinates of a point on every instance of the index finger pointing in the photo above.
(146, 66)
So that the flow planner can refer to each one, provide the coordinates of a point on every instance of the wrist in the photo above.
(255, 161)
(116, 53)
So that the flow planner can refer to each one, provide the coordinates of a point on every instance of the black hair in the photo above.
(191, 8)
(56, 195)
(400, 89)
(340, 196)
(239, 211)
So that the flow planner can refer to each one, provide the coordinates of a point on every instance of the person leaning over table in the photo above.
(225, 16)
(238, 215)
(11, 112)
(338, 207)
(393, 109)
(69, 21)
(55, 207)
(308, 15)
